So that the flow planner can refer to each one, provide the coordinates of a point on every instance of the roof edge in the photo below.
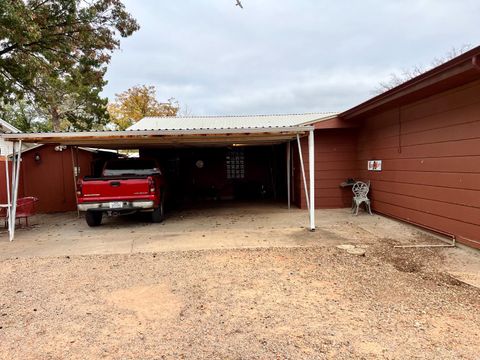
(322, 113)
(9, 127)
(466, 63)
(50, 137)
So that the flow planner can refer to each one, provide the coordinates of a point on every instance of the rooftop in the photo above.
(6, 127)
(186, 131)
(229, 122)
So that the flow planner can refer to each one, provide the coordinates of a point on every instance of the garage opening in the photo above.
(208, 175)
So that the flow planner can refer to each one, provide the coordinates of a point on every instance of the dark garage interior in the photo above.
(196, 176)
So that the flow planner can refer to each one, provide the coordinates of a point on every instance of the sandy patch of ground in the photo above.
(236, 283)
(151, 302)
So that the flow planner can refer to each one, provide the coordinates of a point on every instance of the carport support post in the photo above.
(7, 182)
(311, 171)
(74, 169)
(302, 166)
(11, 192)
(288, 175)
(17, 158)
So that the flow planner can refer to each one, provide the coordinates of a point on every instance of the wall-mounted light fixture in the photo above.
(60, 148)
(37, 157)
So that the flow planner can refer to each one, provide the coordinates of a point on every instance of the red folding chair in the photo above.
(25, 208)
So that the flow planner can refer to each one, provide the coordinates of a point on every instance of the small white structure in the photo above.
(6, 146)
(9, 150)
(6, 149)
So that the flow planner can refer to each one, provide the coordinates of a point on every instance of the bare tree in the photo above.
(407, 74)
(185, 111)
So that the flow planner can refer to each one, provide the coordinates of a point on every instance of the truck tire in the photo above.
(158, 214)
(93, 218)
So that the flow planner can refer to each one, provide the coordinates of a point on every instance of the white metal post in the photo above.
(288, 175)
(303, 171)
(18, 161)
(7, 182)
(75, 175)
(292, 172)
(10, 224)
(311, 171)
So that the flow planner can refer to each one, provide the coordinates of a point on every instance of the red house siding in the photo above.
(431, 162)
(335, 161)
(3, 194)
(3, 186)
(50, 179)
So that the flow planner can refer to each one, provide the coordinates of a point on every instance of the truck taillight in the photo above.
(151, 185)
(79, 188)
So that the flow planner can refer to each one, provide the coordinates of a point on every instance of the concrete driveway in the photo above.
(222, 227)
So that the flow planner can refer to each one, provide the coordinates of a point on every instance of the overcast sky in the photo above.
(283, 56)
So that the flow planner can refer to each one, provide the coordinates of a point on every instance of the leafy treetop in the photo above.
(55, 52)
(136, 103)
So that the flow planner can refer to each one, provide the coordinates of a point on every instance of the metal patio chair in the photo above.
(360, 196)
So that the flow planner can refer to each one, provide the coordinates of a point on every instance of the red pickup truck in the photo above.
(126, 186)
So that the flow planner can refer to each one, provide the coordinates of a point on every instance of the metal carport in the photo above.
(184, 137)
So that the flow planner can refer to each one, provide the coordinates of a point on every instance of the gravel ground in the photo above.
(270, 303)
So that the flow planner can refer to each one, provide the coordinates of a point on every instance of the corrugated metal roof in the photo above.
(228, 122)
(164, 137)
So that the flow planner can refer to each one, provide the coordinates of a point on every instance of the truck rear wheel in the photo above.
(93, 218)
(158, 214)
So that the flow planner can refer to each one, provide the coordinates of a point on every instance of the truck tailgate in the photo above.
(114, 189)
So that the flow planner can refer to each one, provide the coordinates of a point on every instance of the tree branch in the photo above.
(8, 49)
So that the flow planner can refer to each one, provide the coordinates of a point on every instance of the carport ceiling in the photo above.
(165, 138)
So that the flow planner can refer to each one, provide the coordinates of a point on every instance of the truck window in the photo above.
(131, 167)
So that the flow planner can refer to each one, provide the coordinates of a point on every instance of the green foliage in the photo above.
(24, 117)
(54, 53)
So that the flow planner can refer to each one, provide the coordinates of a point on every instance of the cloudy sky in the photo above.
(283, 56)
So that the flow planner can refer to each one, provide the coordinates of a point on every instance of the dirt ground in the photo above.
(285, 300)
